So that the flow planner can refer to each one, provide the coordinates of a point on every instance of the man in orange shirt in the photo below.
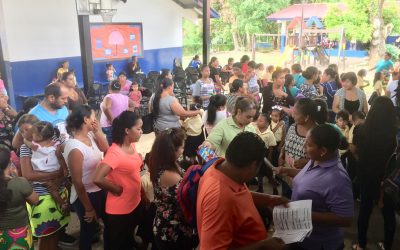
(227, 216)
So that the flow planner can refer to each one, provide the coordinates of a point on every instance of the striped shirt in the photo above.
(38, 187)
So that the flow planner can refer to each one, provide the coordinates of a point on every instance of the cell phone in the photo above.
(206, 153)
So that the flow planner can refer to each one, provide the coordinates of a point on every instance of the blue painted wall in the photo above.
(31, 77)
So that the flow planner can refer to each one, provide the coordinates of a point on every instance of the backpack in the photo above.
(187, 190)
(391, 182)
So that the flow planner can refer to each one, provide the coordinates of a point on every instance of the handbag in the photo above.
(391, 183)
(148, 123)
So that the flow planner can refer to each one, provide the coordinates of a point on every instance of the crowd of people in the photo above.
(328, 143)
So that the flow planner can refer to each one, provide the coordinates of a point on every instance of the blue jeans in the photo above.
(108, 132)
(88, 230)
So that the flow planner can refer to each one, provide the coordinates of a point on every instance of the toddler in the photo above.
(46, 156)
(135, 95)
(110, 72)
(268, 137)
(267, 78)
(342, 122)
(260, 71)
(277, 127)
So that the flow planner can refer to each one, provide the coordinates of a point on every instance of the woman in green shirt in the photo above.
(224, 132)
(15, 231)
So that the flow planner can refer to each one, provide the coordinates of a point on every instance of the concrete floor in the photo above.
(374, 236)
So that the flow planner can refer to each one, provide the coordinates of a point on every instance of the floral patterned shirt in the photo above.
(169, 223)
(6, 128)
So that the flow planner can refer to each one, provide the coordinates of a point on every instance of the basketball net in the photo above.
(107, 15)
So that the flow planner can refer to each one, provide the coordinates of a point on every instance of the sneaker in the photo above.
(67, 240)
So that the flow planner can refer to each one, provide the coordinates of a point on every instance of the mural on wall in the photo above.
(116, 40)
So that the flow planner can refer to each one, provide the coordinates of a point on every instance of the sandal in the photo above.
(356, 247)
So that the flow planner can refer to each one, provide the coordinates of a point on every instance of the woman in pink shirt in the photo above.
(113, 105)
(118, 174)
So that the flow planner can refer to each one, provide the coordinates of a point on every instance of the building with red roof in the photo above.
(309, 10)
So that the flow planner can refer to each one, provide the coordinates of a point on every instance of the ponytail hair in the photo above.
(5, 194)
(236, 85)
(316, 110)
(216, 101)
(244, 104)
(126, 120)
(165, 83)
(77, 117)
(213, 59)
(322, 111)
(334, 75)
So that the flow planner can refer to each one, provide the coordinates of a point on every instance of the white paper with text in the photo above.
(293, 224)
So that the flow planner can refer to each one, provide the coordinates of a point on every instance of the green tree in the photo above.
(192, 38)
(250, 16)
(366, 21)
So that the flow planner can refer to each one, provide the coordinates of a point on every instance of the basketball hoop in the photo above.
(106, 14)
(104, 8)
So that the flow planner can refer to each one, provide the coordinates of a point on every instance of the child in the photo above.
(267, 78)
(260, 71)
(194, 134)
(46, 156)
(357, 118)
(204, 87)
(110, 72)
(342, 122)
(145, 228)
(135, 95)
(268, 137)
(378, 83)
(298, 78)
(348, 159)
(277, 127)
(289, 83)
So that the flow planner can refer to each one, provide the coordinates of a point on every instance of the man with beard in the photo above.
(53, 109)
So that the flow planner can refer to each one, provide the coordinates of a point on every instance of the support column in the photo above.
(206, 31)
(5, 64)
(284, 38)
(5, 70)
(86, 51)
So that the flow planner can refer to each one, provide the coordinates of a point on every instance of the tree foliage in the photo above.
(239, 20)
(357, 18)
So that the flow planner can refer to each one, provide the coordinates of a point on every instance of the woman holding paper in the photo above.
(324, 181)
